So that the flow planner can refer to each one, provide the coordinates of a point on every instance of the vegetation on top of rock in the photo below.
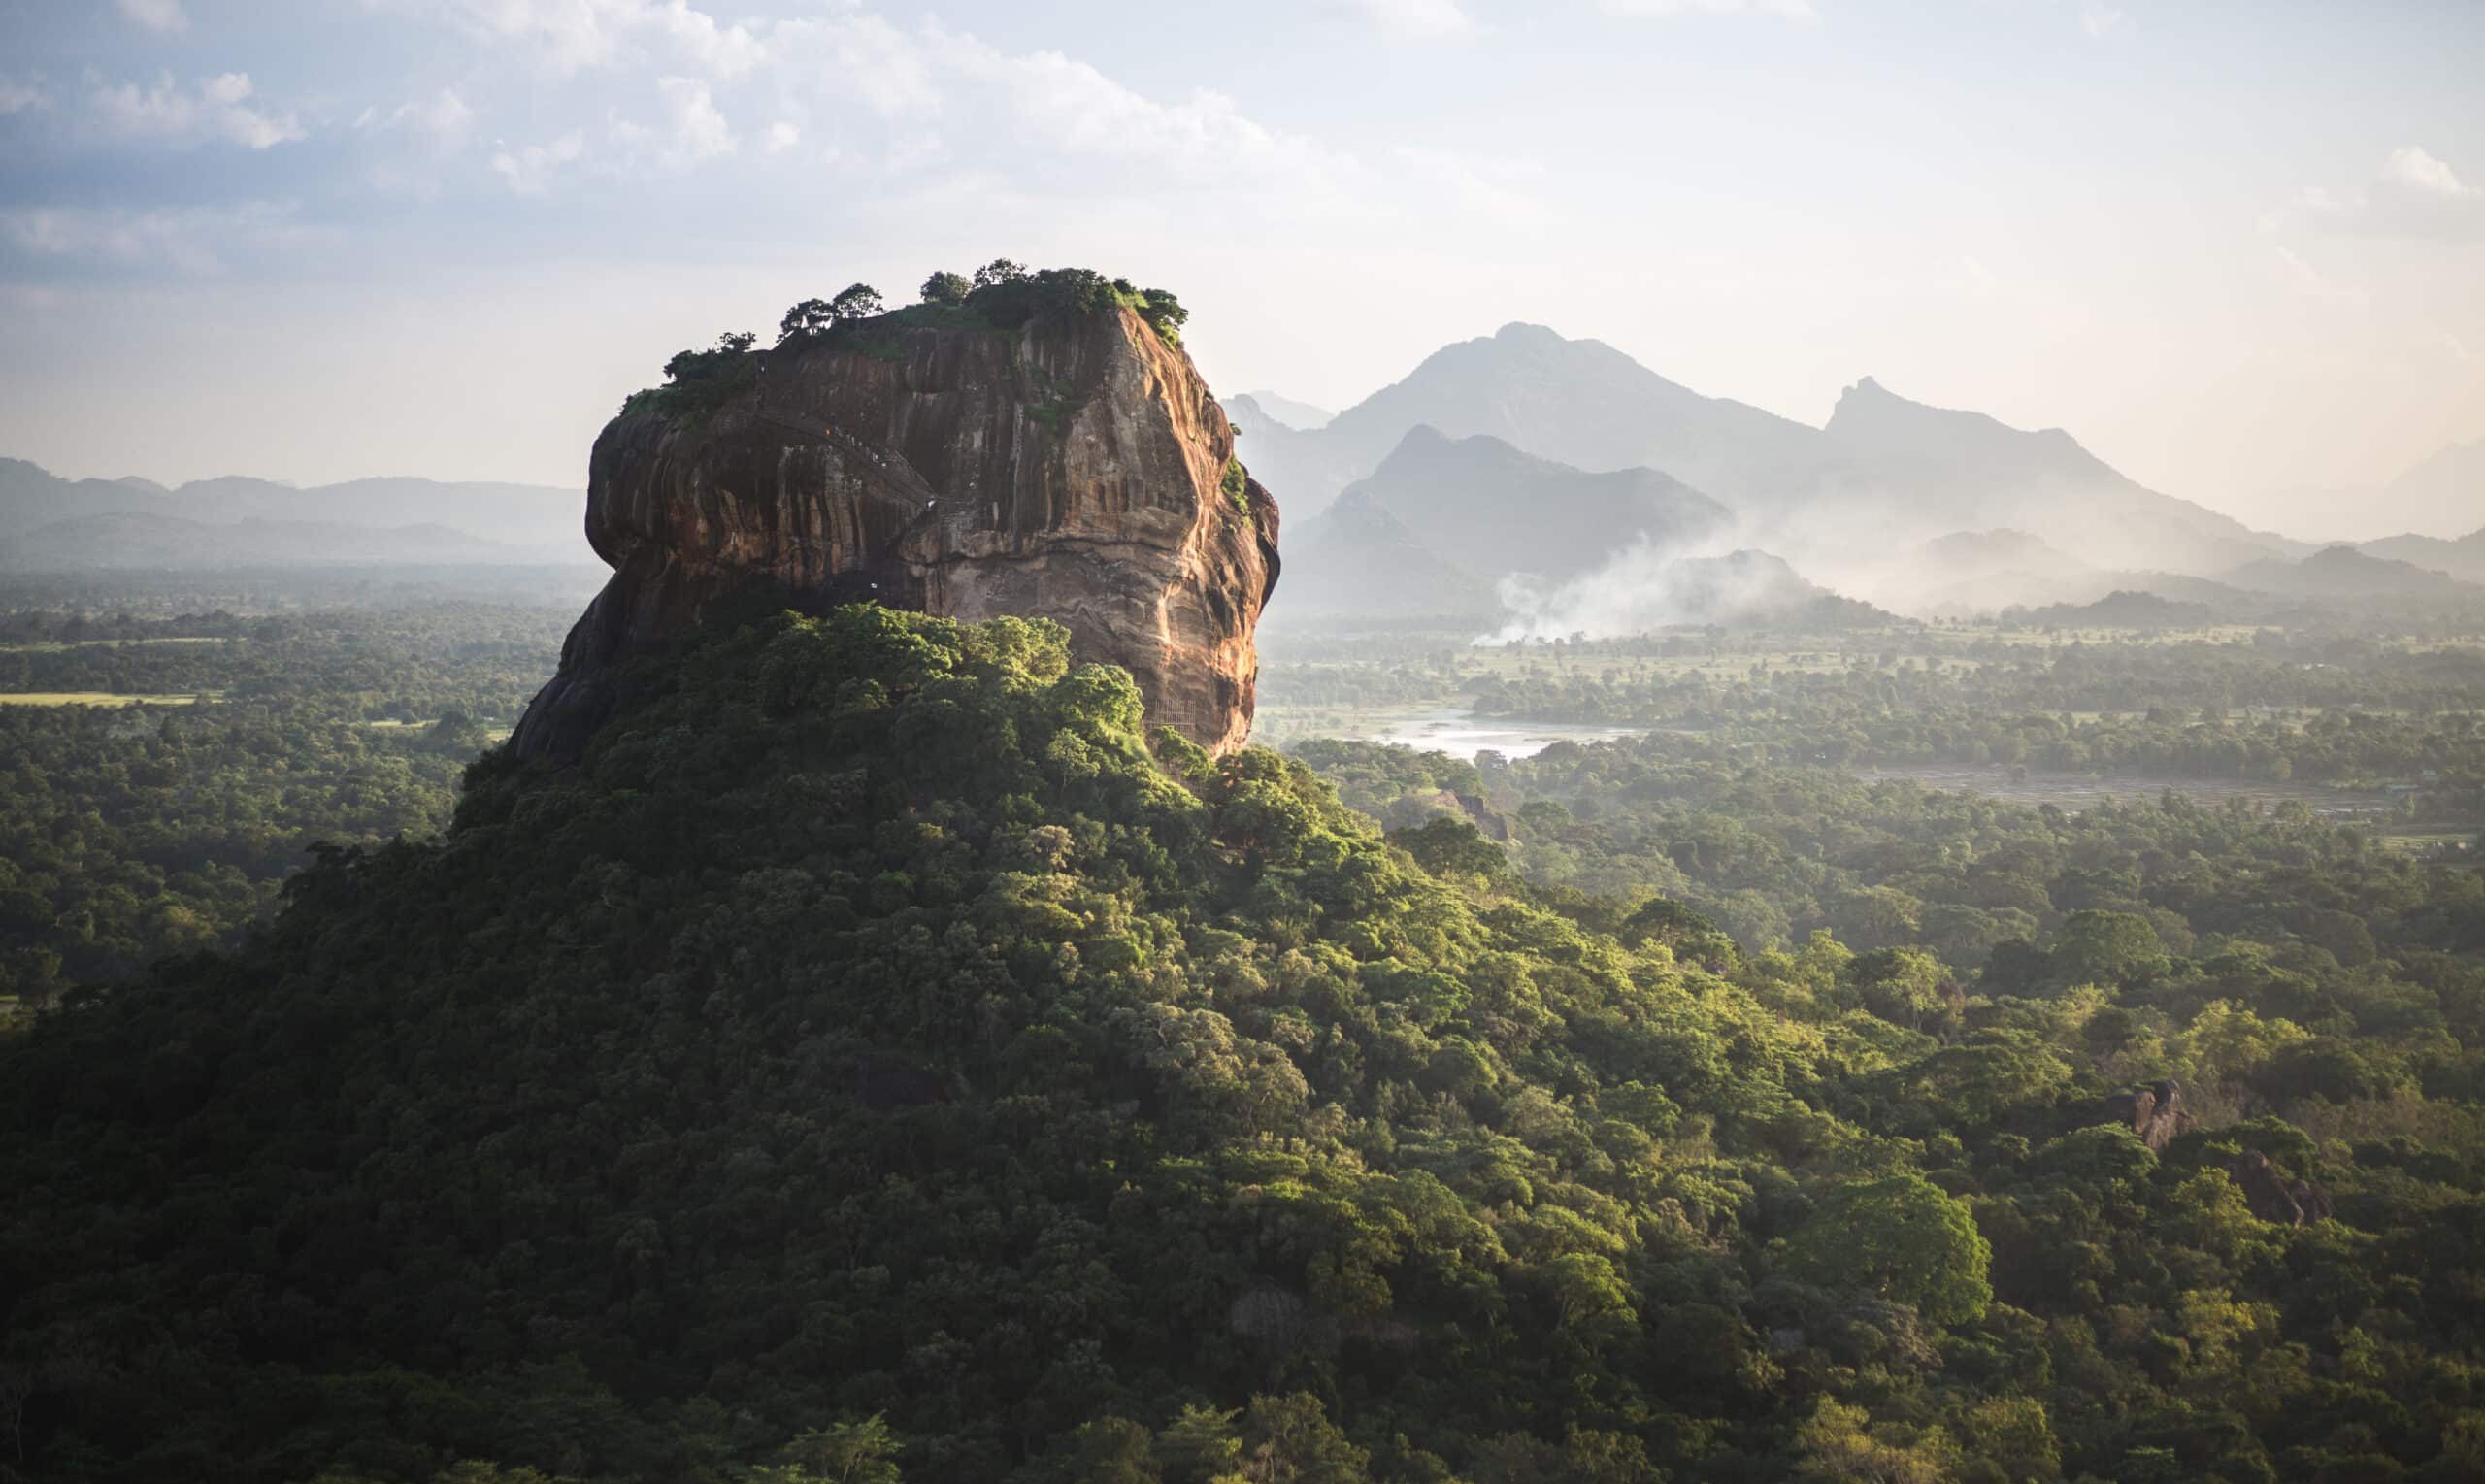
(1003, 295)
(812, 318)
(699, 382)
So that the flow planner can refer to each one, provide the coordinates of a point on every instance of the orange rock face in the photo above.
(1074, 471)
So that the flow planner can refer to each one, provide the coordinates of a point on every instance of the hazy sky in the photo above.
(2232, 247)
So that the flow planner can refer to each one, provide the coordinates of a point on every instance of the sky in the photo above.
(2237, 249)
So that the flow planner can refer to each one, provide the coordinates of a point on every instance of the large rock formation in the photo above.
(1075, 469)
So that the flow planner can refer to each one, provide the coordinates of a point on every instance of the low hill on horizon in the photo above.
(2344, 571)
(2462, 557)
(1301, 416)
(76, 524)
(137, 539)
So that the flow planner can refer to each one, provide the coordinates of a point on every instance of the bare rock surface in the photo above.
(1077, 470)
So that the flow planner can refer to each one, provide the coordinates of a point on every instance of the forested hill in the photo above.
(873, 1061)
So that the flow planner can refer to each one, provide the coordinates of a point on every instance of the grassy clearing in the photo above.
(2213, 633)
(103, 698)
(2426, 842)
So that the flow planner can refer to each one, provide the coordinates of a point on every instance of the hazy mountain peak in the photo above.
(1424, 442)
(1998, 545)
(1873, 418)
(1580, 401)
(2443, 494)
(1283, 411)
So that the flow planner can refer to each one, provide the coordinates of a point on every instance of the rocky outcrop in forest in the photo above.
(1073, 467)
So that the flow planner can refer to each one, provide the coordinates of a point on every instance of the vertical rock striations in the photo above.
(1077, 469)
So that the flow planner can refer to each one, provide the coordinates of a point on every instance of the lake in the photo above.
(1432, 729)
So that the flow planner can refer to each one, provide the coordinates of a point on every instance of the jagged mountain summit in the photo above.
(1039, 450)
(1577, 402)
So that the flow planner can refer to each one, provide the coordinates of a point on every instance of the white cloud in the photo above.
(443, 122)
(1785, 10)
(1416, 20)
(2100, 20)
(860, 55)
(527, 170)
(2413, 194)
(2299, 276)
(572, 36)
(947, 117)
(872, 78)
(727, 51)
(1066, 106)
(699, 131)
(408, 146)
(157, 14)
(17, 97)
(189, 239)
(1967, 275)
(221, 109)
(1486, 187)
(2411, 167)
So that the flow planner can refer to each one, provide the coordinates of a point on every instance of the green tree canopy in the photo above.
(1902, 1237)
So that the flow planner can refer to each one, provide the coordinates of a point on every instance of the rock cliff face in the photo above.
(1075, 469)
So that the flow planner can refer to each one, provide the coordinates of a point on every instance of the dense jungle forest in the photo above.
(884, 1056)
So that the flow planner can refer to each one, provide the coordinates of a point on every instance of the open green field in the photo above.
(55, 645)
(2210, 633)
(494, 735)
(90, 697)
(2428, 841)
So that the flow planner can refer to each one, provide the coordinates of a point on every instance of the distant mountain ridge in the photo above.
(1885, 474)
(1953, 469)
(2463, 558)
(1576, 402)
(52, 523)
(2343, 572)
